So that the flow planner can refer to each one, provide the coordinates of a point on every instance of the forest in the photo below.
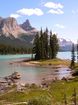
(7, 49)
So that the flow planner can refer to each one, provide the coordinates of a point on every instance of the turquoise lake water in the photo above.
(31, 74)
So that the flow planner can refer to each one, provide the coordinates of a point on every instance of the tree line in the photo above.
(7, 49)
(45, 45)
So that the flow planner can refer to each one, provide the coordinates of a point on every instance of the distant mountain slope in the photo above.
(13, 34)
(65, 45)
(15, 42)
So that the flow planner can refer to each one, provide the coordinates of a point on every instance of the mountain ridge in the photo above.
(22, 35)
(12, 34)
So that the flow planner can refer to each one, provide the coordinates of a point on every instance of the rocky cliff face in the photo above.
(27, 27)
(15, 35)
(9, 27)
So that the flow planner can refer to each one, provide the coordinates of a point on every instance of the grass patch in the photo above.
(55, 92)
(55, 62)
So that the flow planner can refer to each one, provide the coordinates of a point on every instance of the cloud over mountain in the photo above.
(15, 15)
(31, 11)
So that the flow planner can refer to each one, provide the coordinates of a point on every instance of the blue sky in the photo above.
(60, 16)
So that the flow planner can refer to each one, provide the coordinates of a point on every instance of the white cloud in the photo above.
(58, 11)
(31, 11)
(55, 8)
(53, 5)
(59, 26)
(15, 15)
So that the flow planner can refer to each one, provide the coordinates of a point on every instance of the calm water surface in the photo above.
(31, 74)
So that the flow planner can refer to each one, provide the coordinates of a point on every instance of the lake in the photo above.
(31, 74)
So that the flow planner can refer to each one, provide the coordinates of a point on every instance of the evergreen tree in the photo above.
(53, 45)
(42, 48)
(72, 65)
(37, 47)
(50, 50)
(46, 43)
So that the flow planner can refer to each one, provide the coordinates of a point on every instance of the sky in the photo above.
(60, 16)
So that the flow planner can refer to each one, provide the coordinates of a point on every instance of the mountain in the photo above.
(9, 27)
(31, 32)
(64, 42)
(27, 27)
(65, 45)
(13, 34)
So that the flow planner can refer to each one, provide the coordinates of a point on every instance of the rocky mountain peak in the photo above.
(27, 26)
(9, 27)
(27, 23)
(10, 23)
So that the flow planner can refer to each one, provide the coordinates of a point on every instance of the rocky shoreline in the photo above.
(47, 79)
(9, 81)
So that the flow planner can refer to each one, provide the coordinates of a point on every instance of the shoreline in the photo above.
(56, 67)
(33, 63)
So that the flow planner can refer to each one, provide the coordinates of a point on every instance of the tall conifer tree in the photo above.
(54, 45)
(46, 43)
(37, 47)
(72, 65)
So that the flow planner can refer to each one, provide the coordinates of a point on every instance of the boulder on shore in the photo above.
(16, 75)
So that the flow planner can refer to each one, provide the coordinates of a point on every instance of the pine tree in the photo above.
(37, 47)
(72, 65)
(54, 45)
(46, 43)
(50, 50)
(42, 48)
